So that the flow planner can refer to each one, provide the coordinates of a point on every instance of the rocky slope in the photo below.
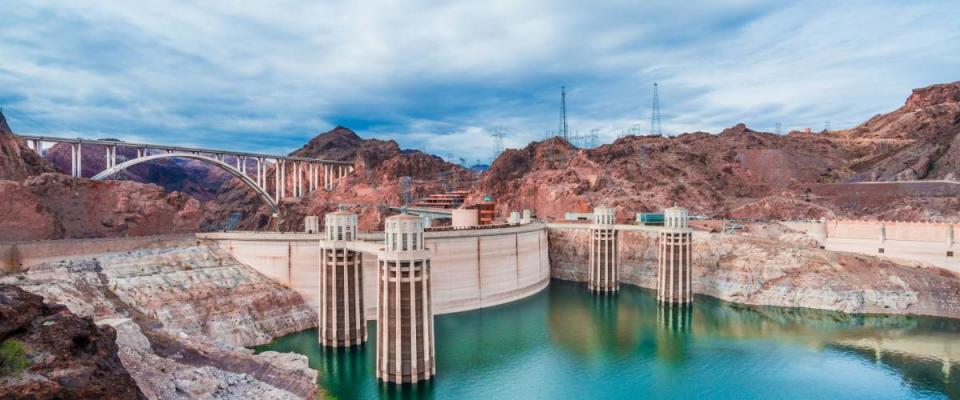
(920, 140)
(17, 161)
(711, 174)
(369, 190)
(339, 144)
(69, 357)
(780, 268)
(180, 315)
(56, 206)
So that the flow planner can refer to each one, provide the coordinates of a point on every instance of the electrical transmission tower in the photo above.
(826, 126)
(498, 135)
(406, 190)
(594, 138)
(655, 128)
(779, 128)
(564, 128)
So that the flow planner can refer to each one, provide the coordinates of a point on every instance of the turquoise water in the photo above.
(566, 343)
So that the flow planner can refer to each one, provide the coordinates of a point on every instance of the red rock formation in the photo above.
(17, 161)
(710, 174)
(340, 144)
(920, 140)
(55, 206)
(70, 357)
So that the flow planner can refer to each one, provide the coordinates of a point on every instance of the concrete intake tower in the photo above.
(405, 341)
(342, 323)
(674, 279)
(604, 275)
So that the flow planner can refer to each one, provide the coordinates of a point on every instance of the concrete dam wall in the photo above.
(470, 269)
(936, 243)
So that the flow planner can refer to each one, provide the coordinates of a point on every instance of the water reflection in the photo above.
(673, 333)
(567, 342)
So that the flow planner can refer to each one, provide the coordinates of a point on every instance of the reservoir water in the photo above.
(567, 343)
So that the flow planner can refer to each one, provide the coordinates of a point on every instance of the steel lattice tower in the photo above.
(564, 128)
(498, 135)
(655, 128)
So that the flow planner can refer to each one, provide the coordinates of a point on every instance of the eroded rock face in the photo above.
(710, 174)
(55, 206)
(339, 144)
(180, 315)
(203, 291)
(17, 161)
(779, 268)
(920, 140)
(70, 357)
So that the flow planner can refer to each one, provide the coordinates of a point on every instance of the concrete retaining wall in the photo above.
(928, 242)
(23, 255)
(471, 269)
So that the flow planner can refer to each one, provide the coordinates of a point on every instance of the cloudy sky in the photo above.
(441, 76)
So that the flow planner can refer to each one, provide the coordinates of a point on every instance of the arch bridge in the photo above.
(291, 176)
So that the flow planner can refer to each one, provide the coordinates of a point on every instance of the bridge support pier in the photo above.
(405, 342)
(674, 275)
(604, 260)
(342, 321)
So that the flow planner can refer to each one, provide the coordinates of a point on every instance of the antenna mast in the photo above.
(655, 128)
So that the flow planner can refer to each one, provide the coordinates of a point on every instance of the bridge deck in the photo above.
(178, 149)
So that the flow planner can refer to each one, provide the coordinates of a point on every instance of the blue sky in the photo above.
(440, 76)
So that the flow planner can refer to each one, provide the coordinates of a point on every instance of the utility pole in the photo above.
(655, 127)
(564, 128)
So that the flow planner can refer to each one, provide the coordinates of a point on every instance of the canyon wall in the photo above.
(780, 269)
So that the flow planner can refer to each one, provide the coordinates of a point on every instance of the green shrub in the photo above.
(13, 357)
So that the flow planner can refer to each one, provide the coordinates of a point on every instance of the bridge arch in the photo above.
(227, 167)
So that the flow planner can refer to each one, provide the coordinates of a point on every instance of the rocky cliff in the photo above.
(782, 268)
(920, 140)
(66, 357)
(180, 315)
(711, 174)
(339, 144)
(56, 206)
(17, 161)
